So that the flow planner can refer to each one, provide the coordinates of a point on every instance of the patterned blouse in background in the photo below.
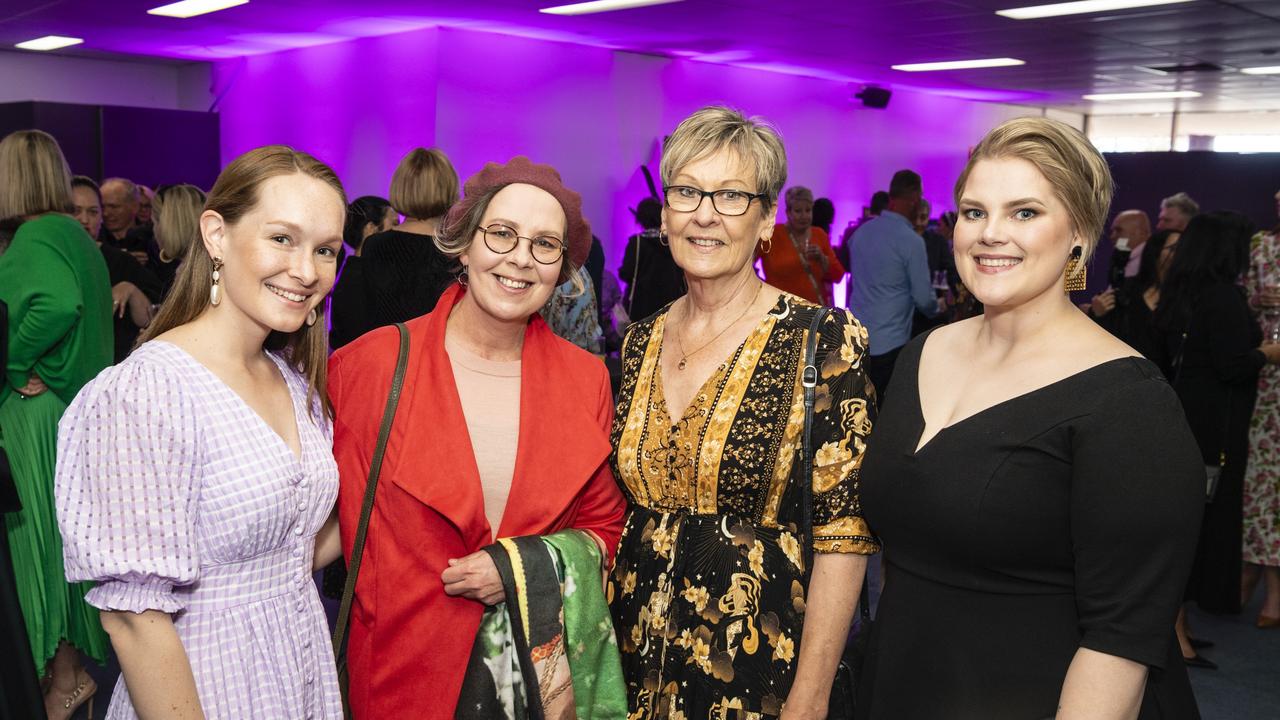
(1262, 479)
(174, 495)
(706, 592)
(575, 317)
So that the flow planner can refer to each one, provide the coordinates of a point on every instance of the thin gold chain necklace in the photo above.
(684, 356)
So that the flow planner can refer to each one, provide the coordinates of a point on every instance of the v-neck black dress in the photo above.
(1060, 519)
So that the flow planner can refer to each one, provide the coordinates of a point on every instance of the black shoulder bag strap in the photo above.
(842, 688)
(366, 510)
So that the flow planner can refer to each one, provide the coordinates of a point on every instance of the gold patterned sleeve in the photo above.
(842, 418)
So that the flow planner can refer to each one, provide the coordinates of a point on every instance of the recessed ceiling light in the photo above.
(1162, 95)
(192, 8)
(1270, 70)
(49, 42)
(599, 6)
(1033, 12)
(959, 64)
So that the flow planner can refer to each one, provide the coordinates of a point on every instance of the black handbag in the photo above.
(844, 685)
(366, 510)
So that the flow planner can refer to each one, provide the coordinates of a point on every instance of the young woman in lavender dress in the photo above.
(195, 480)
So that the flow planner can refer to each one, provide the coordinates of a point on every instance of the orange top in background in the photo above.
(784, 269)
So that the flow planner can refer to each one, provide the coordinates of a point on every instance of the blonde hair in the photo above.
(235, 194)
(34, 176)
(798, 192)
(177, 219)
(716, 127)
(424, 184)
(1075, 169)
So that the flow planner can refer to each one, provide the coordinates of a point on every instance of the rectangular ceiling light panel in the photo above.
(599, 6)
(1271, 70)
(1162, 95)
(49, 42)
(959, 64)
(192, 8)
(1035, 12)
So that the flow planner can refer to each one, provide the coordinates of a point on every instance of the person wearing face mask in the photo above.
(497, 450)
(798, 258)
(731, 590)
(55, 284)
(1040, 496)
(195, 484)
(1129, 313)
(133, 287)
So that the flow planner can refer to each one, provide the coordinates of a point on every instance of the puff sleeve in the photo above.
(127, 486)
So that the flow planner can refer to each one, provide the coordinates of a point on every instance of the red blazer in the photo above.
(409, 642)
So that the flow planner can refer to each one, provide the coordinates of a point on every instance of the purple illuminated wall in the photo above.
(595, 114)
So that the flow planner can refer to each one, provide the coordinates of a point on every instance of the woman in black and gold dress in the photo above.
(1033, 478)
(708, 591)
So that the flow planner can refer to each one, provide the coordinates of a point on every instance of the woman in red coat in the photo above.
(502, 431)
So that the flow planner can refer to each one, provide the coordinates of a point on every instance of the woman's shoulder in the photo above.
(153, 373)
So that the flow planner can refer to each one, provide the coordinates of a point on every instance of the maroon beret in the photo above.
(522, 170)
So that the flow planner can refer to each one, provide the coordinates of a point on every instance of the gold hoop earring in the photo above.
(215, 289)
(766, 245)
(462, 277)
(311, 317)
(1076, 274)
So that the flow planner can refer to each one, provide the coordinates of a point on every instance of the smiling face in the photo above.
(279, 258)
(1013, 236)
(510, 287)
(704, 243)
(87, 209)
(119, 211)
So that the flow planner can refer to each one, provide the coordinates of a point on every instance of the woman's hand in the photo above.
(475, 577)
(1103, 303)
(794, 710)
(1272, 351)
(35, 386)
(120, 294)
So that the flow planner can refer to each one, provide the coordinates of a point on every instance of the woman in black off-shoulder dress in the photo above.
(1033, 481)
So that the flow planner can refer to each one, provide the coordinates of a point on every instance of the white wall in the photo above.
(55, 78)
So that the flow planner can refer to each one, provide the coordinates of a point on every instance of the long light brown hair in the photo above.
(235, 194)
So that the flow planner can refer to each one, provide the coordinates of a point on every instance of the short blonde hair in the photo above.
(798, 192)
(34, 177)
(1075, 169)
(714, 128)
(177, 211)
(424, 184)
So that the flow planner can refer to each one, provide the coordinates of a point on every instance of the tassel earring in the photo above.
(215, 290)
(1076, 272)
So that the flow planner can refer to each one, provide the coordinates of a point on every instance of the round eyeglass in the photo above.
(546, 249)
(732, 203)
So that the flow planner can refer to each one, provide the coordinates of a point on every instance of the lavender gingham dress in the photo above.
(174, 495)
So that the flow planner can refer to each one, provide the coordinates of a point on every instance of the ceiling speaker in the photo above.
(874, 97)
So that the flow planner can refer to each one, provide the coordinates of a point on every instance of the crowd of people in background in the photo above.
(179, 366)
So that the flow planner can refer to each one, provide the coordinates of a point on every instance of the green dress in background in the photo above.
(54, 280)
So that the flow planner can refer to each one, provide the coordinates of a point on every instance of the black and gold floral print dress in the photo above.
(707, 590)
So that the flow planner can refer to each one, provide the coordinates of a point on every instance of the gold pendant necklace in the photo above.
(684, 356)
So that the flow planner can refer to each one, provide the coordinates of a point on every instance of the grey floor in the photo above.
(1246, 687)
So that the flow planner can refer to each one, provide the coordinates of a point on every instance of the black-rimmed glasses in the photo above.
(683, 198)
(546, 249)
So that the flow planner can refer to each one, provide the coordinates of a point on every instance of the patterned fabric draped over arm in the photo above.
(843, 415)
(127, 488)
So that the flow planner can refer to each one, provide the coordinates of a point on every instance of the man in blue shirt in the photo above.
(889, 278)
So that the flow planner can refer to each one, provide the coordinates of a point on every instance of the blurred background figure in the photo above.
(176, 211)
(798, 258)
(652, 277)
(1176, 211)
(399, 274)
